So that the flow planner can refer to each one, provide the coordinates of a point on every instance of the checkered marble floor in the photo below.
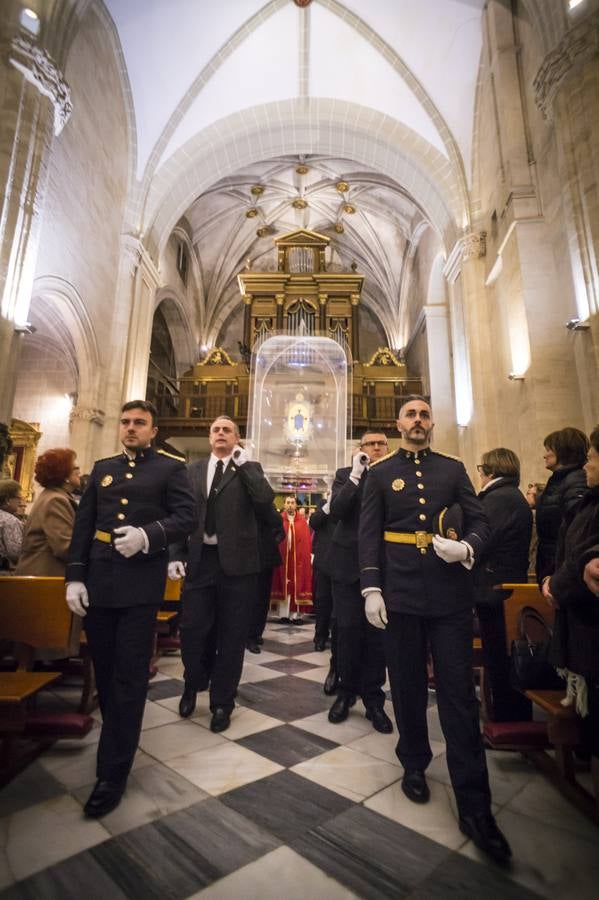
(283, 804)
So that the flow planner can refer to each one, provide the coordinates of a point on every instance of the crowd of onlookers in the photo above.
(560, 521)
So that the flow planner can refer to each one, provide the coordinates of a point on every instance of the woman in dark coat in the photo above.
(503, 560)
(576, 630)
(565, 455)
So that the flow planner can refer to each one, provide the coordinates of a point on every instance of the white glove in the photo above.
(176, 570)
(450, 551)
(375, 609)
(77, 599)
(130, 541)
(359, 464)
(326, 507)
(240, 455)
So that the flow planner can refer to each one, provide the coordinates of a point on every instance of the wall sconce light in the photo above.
(26, 328)
(30, 21)
(572, 4)
(577, 325)
(513, 376)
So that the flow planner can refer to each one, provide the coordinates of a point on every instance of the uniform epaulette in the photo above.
(172, 456)
(108, 458)
(448, 455)
(375, 462)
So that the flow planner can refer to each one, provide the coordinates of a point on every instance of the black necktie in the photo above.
(210, 523)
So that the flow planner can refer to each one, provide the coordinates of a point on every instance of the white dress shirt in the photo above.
(212, 461)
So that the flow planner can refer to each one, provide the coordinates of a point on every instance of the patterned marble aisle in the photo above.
(283, 804)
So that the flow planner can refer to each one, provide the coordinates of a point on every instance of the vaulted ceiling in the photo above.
(397, 67)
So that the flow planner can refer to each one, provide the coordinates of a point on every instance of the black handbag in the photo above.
(530, 668)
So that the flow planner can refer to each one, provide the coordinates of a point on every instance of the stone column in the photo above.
(438, 344)
(247, 321)
(85, 424)
(322, 300)
(34, 106)
(280, 300)
(567, 93)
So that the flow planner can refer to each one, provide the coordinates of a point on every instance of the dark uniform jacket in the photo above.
(576, 628)
(241, 498)
(323, 526)
(504, 558)
(152, 491)
(270, 535)
(403, 492)
(346, 500)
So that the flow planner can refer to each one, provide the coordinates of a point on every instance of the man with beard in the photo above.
(418, 588)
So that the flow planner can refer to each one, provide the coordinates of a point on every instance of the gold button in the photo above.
(121, 516)
(420, 487)
(124, 501)
(131, 463)
(129, 475)
(417, 461)
(418, 474)
(422, 517)
(423, 550)
(421, 500)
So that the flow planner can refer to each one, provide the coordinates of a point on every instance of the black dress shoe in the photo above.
(221, 719)
(187, 703)
(414, 786)
(253, 647)
(339, 711)
(285, 620)
(331, 682)
(319, 646)
(380, 720)
(260, 641)
(483, 831)
(105, 797)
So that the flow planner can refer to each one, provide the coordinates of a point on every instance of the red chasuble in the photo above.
(294, 578)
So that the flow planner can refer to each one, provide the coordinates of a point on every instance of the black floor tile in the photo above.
(162, 690)
(459, 878)
(286, 804)
(287, 745)
(285, 698)
(78, 877)
(289, 666)
(33, 785)
(371, 855)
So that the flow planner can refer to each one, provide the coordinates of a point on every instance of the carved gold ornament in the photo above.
(106, 481)
(302, 170)
(257, 190)
(299, 203)
(339, 227)
(398, 484)
(251, 213)
(342, 187)
(349, 208)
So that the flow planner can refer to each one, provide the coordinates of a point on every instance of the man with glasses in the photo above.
(360, 651)
(418, 591)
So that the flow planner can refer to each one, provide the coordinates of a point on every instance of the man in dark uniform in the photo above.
(270, 535)
(135, 504)
(223, 562)
(360, 647)
(323, 526)
(427, 591)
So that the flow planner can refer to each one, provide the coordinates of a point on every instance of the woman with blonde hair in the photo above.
(50, 525)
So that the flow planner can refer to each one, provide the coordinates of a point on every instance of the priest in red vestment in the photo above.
(292, 581)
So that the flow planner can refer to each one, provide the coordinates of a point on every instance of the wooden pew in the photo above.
(34, 616)
(561, 731)
(162, 639)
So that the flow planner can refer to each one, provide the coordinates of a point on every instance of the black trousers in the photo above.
(323, 605)
(450, 638)
(360, 654)
(508, 705)
(215, 607)
(259, 611)
(120, 641)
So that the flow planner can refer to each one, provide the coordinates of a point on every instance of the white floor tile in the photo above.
(435, 820)
(48, 832)
(356, 725)
(182, 737)
(252, 673)
(348, 772)
(280, 873)
(221, 770)
(155, 715)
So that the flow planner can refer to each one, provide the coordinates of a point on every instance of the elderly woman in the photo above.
(503, 560)
(576, 631)
(11, 527)
(565, 455)
(50, 524)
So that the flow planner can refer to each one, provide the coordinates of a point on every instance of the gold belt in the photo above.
(419, 538)
(104, 536)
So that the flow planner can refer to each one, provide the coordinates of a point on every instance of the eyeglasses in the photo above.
(374, 444)
(482, 470)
